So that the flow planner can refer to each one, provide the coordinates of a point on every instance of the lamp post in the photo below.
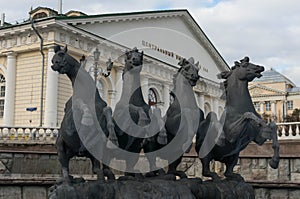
(99, 70)
(96, 60)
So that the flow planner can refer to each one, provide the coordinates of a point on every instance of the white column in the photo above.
(262, 105)
(166, 98)
(112, 98)
(10, 87)
(201, 101)
(273, 108)
(51, 93)
(119, 83)
(145, 87)
(216, 106)
(284, 109)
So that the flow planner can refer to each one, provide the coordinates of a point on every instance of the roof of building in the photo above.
(82, 18)
(273, 76)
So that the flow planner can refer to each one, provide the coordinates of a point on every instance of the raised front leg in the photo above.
(275, 145)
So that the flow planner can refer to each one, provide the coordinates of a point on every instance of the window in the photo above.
(39, 15)
(152, 99)
(257, 106)
(290, 105)
(2, 94)
(1, 107)
(268, 106)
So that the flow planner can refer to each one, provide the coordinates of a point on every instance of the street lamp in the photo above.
(99, 70)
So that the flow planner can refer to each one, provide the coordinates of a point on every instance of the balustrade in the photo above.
(18, 133)
(288, 130)
(285, 131)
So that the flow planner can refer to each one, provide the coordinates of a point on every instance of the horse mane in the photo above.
(226, 74)
(134, 50)
(181, 64)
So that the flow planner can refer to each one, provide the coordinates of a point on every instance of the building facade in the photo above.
(34, 95)
(274, 96)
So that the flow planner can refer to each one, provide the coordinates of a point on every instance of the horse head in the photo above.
(247, 71)
(133, 60)
(189, 70)
(62, 60)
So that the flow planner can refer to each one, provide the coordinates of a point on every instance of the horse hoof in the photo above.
(274, 163)
(150, 174)
(124, 178)
(235, 177)
(109, 174)
(180, 174)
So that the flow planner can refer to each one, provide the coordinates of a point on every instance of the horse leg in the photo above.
(206, 170)
(230, 163)
(172, 169)
(96, 169)
(275, 145)
(130, 167)
(112, 137)
(149, 146)
(63, 158)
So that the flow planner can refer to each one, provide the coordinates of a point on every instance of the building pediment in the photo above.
(165, 35)
(260, 90)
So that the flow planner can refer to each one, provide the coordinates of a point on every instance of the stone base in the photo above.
(154, 188)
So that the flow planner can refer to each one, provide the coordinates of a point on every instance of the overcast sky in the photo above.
(268, 31)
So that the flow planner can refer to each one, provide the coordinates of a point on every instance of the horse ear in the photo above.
(65, 48)
(191, 60)
(180, 63)
(56, 48)
(224, 74)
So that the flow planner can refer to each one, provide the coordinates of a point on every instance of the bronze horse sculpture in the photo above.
(68, 142)
(183, 115)
(222, 140)
(133, 116)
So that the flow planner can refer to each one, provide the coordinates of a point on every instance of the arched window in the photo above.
(171, 98)
(152, 98)
(2, 94)
(39, 15)
(207, 108)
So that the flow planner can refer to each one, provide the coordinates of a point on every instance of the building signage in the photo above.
(167, 53)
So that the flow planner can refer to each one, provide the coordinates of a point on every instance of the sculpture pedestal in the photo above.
(154, 188)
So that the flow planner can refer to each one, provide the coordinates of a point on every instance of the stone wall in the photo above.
(28, 170)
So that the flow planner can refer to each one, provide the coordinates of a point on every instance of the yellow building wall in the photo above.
(64, 93)
(28, 88)
(296, 103)
(275, 85)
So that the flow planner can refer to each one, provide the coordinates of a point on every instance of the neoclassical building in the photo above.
(274, 95)
(34, 95)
